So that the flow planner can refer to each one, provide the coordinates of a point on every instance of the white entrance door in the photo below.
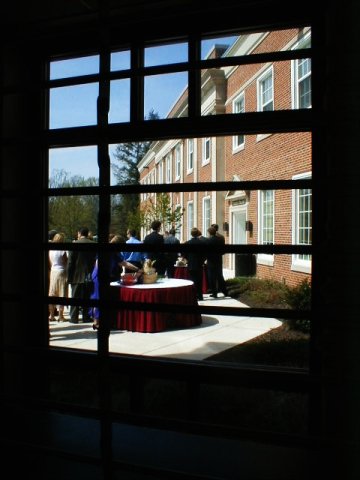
(238, 231)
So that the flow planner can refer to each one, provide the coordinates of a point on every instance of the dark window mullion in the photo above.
(194, 86)
(104, 196)
(136, 84)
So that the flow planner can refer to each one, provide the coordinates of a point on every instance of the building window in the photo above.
(302, 225)
(239, 107)
(190, 218)
(206, 214)
(168, 167)
(266, 223)
(160, 172)
(206, 150)
(177, 162)
(301, 76)
(190, 155)
(265, 91)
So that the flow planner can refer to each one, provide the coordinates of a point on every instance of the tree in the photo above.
(161, 209)
(68, 213)
(126, 213)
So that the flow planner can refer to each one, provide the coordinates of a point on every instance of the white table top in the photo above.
(162, 283)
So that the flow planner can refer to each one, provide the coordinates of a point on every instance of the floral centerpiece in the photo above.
(150, 275)
(181, 262)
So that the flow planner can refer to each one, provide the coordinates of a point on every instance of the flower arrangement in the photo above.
(181, 262)
(150, 274)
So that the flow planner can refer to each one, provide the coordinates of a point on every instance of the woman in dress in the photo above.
(58, 286)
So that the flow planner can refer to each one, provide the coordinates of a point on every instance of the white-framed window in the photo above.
(190, 218)
(190, 155)
(266, 220)
(301, 77)
(177, 161)
(168, 166)
(265, 91)
(160, 171)
(206, 215)
(239, 107)
(302, 224)
(206, 150)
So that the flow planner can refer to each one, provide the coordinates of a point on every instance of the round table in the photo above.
(165, 291)
(183, 272)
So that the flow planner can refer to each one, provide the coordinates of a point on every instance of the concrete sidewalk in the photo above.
(215, 334)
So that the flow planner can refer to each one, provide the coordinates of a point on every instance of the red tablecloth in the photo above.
(168, 291)
(183, 272)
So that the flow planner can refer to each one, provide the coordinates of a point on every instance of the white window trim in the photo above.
(264, 258)
(189, 169)
(206, 160)
(168, 168)
(298, 265)
(235, 146)
(178, 161)
(294, 73)
(190, 224)
(205, 227)
(268, 72)
(160, 171)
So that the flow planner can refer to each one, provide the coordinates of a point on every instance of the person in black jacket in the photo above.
(155, 238)
(196, 261)
(215, 264)
(171, 257)
(80, 267)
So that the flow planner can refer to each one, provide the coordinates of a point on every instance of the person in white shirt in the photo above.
(58, 278)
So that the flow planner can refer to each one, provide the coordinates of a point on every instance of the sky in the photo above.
(76, 105)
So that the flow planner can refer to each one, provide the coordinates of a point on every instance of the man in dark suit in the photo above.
(171, 257)
(80, 267)
(196, 261)
(155, 238)
(215, 265)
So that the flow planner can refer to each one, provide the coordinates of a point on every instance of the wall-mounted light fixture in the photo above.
(226, 227)
(248, 226)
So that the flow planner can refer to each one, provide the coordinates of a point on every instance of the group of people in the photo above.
(213, 258)
(79, 268)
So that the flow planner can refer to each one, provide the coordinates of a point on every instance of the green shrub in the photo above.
(265, 293)
(299, 298)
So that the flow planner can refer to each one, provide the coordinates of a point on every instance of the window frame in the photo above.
(265, 258)
(178, 161)
(190, 155)
(267, 74)
(198, 127)
(238, 144)
(297, 263)
(295, 80)
(206, 151)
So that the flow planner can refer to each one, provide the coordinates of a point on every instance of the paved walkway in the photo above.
(215, 334)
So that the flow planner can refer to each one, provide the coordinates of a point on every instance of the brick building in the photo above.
(246, 216)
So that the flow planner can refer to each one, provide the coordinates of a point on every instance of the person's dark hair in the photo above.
(132, 232)
(195, 232)
(216, 226)
(52, 234)
(172, 231)
(155, 225)
(212, 231)
(84, 231)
